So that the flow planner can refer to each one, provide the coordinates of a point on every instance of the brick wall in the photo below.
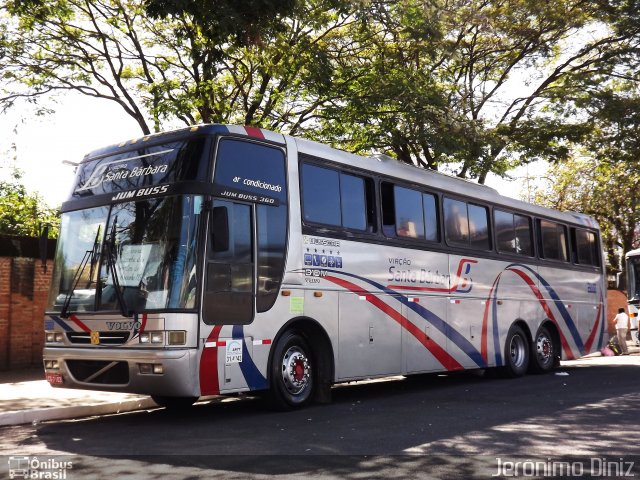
(24, 287)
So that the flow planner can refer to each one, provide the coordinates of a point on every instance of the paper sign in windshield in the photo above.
(132, 263)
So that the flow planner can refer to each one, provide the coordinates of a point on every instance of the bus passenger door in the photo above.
(370, 340)
(229, 274)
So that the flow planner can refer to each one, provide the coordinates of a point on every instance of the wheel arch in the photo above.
(525, 328)
(320, 344)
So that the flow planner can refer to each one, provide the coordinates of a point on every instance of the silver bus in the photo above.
(222, 259)
(633, 291)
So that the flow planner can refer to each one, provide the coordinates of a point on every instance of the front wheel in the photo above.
(544, 354)
(292, 373)
(516, 352)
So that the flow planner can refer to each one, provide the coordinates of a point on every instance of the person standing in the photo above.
(622, 323)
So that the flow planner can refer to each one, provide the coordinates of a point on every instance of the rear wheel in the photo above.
(544, 352)
(292, 372)
(516, 352)
(174, 403)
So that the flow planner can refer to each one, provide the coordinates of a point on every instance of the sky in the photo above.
(82, 124)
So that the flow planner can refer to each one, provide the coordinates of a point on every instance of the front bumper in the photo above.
(118, 370)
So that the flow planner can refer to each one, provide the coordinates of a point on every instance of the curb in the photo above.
(64, 413)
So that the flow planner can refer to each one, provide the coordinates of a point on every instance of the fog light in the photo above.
(158, 369)
(144, 338)
(146, 368)
(177, 337)
(51, 364)
(157, 337)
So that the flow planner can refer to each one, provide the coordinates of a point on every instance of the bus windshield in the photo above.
(633, 267)
(149, 263)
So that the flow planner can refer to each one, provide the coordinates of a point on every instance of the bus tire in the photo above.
(174, 403)
(543, 352)
(516, 353)
(292, 373)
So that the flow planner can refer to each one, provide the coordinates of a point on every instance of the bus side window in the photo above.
(524, 245)
(408, 212)
(388, 209)
(584, 247)
(553, 240)
(321, 195)
(456, 222)
(335, 198)
(505, 232)
(430, 208)
(479, 227)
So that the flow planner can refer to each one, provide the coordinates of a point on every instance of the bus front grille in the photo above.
(100, 372)
(106, 338)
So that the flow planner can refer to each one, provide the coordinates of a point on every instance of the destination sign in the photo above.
(142, 168)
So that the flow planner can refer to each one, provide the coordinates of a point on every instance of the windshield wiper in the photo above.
(110, 251)
(90, 256)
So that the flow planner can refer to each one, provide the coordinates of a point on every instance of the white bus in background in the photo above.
(223, 259)
(633, 292)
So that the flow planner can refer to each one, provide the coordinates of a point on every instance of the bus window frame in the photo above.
(371, 205)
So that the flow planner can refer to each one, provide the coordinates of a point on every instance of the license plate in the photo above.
(54, 378)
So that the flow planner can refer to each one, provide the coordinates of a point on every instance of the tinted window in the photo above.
(479, 227)
(430, 217)
(553, 240)
(143, 167)
(272, 237)
(228, 296)
(586, 247)
(255, 170)
(505, 234)
(456, 222)
(321, 195)
(409, 215)
(524, 245)
(335, 198)
(353, 202)
(513, 233)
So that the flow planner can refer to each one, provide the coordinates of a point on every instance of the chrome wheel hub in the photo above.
(296, 370)
(517, 351)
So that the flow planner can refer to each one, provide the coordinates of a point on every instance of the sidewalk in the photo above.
(25, 397)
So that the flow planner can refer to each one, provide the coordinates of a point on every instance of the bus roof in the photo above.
(412, 174)
(633, 253)
(384, 165)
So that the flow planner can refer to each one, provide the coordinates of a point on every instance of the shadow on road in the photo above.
(453, 424)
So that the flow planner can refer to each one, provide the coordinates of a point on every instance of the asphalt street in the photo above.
(584, 416)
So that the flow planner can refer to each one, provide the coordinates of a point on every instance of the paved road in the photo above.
(456, 426)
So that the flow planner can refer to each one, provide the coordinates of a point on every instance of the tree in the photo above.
(425, 82)
(439, 73)
(22, 213)
(178, 67)
(604, 184)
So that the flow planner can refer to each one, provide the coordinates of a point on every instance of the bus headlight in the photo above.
(54, 337)
(174, 337)
(157, 337)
